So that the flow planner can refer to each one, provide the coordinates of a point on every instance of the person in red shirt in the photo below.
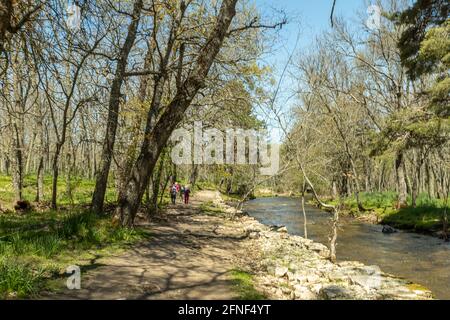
(187, 192)
(178, 187)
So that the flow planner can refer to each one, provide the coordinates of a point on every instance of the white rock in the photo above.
(281, 271)
(312, 278)
(303, 293)
(316, 288)
(301, 277)
(254, 235)
(282, 230)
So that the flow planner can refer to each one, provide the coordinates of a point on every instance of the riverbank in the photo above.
(209, 250)
(426, 218)
(291, 267)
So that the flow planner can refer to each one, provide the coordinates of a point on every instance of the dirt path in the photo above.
(189, 256)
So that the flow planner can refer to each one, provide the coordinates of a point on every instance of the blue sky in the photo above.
(308, 19)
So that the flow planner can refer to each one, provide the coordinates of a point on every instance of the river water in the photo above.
(419, 258)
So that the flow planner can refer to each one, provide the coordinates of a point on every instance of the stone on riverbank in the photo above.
(291, 267)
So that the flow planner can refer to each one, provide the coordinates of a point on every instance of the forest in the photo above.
(91, 93)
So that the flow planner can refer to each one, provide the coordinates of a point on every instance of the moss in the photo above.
(244, 285)
(416, 287)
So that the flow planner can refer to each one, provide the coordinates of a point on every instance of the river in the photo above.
(422, 259)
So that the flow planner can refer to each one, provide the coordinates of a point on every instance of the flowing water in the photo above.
(419, 258)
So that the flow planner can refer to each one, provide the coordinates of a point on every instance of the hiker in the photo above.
(187, 191)
(178, 187)
(182, 190)
(173, 193)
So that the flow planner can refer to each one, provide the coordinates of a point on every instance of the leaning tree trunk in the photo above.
(98, 197)
(156, 139)
(156, 185)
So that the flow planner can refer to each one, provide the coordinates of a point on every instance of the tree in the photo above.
(418, 19)
(157, 134)
(113, 109)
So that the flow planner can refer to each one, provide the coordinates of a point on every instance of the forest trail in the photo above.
(188, 256)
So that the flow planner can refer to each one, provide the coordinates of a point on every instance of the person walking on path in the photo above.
(187, 192)
(173, 193)
(178, 187)
(183, 188)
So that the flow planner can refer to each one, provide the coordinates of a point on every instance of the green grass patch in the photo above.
(19, 280)
(425, 217)
(33, 250)
(244, 285)
(208, 208)
(81, 190)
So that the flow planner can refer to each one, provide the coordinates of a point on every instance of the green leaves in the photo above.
(411, 128)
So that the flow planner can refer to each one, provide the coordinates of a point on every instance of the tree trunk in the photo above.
(17, 163)
(416, 178)
(193, 176)
(156, 185)
(401, 181)
(55, 176)
(40, 168)
(98, 197)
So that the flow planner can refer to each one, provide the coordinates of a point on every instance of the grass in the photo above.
(36, 247)
(209, 209)
(425, 217)
(33, 254)
(81, 191)
(18, 279)
(244, 285)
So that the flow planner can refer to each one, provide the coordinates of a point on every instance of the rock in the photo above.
(316, 288)
(368, 277)
(350, 264)
(303, 293)
(314, 246)
(291, 276)
(278, 228)
(280, 272)
(282, 230)
(254, 235)
(334, 292)
(300, 277)
(339, 277)
(388, 230)
(312, 278)
(319, 248)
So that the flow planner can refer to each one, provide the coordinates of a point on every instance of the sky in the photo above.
(307, 20)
